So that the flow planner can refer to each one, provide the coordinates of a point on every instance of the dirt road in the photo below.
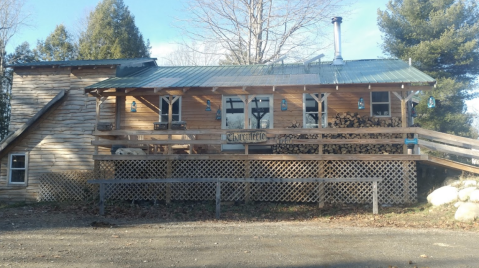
(68, 240)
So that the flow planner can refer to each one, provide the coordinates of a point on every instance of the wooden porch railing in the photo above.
(429, 139)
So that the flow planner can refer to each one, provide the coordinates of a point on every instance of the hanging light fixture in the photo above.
(431, 103)
(133, 107)
(284, 105)
(208, 105)
(218, 114)
(413, 112)
(361, 104)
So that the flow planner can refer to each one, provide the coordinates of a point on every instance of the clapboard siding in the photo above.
(63, 139)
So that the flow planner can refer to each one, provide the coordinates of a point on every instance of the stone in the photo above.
(467, 212)
(443, 195)
(474, 196)
(458, 204)
(467, 183)
(464, 193)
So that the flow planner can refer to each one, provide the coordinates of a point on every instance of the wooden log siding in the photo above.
(63, 140)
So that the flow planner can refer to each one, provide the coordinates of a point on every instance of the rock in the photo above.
(458, 204)
(443, 195)
(467, 212)
(467, 183)
(454, 183)
(464, 193)
(474, 196)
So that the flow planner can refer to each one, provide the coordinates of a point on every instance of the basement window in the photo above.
(176, 114)
(17, 173)
(380, 104)
(310, 111)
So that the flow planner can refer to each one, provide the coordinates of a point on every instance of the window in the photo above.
(310, 111)
(17, 168)
(380, 104)
(176, 115)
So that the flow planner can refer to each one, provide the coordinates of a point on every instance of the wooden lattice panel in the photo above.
(66, 186)
(398, 186)
(131, 169)
(192, 169)
(399, 183)
(284, 169)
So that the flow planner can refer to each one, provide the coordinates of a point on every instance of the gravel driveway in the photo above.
(68, 240)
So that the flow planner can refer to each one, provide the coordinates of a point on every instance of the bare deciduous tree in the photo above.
(259, 31)
(12, 17)
(192, 54)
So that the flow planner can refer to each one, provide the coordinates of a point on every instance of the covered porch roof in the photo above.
(379, 71)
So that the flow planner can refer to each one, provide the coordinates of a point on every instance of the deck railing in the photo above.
(431, 140)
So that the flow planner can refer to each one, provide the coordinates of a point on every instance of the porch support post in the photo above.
(170, 119)
(375, 197)
(218, 199)
(97, 119)
(403, 114)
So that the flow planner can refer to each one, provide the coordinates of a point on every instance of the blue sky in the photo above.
(154, 18)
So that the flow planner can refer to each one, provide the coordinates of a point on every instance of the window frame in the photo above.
(179, 108)
(10, 168)
(324, 104)
(372, 103)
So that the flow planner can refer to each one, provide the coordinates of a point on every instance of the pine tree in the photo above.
(112, 34)
(441, 37)
(58, 46)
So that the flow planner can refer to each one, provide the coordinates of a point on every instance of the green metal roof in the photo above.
(71, 63)
(352, 72)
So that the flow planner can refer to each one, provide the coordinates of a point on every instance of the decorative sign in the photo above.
(244, 137)
(410, 141)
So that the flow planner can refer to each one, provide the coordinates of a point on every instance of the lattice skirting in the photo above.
(67, 186)
(399, 183)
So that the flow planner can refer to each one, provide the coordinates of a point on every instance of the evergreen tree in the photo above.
(22, 54)
(111, 33)
(58, 46)
(442, 38)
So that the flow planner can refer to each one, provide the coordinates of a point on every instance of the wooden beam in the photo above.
(410, 95)
(244, 88)
(397, 95)
(128, 90)
(436, 161)
(367, 157)
(448, 138)
(448, 149)
(276, 131)
(269, 142)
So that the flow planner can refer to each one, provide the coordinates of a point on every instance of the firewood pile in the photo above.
(345, 120)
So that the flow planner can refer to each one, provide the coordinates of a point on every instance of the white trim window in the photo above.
(17, 168)
(310, 111)
(380, 104)
(176, 115)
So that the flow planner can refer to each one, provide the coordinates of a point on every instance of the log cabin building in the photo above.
(131, 119)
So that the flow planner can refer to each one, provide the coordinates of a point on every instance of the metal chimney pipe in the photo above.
(338, 60)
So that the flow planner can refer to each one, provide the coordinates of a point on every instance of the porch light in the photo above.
(431, 103)
(284, 105)
(361, 104)
(218, 114)
(208, 106)
(413, 112)
(133, 107)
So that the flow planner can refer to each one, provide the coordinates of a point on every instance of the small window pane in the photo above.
(164, 107)
(380, 96)
(18, 161)
(380, 109)
(17, 176)
(176, 107)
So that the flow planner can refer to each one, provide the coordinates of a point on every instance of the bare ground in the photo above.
(185, 234)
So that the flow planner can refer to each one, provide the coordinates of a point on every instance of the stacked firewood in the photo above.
(345, 120)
